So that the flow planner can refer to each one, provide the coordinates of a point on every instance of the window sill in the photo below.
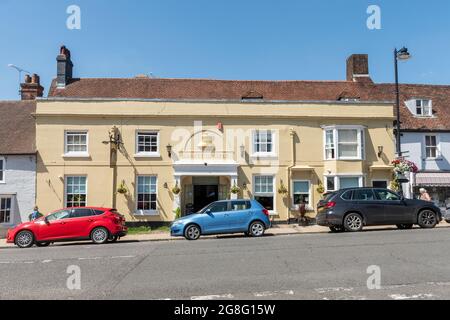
(147, 155)
(76, 155)
(433, 159)
(144, 213)
(264, 156)
(345, 159)
(308, 208)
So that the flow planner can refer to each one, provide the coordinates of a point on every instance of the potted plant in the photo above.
(122, 189)
(176, 189)
(177, 212)
(235, 189)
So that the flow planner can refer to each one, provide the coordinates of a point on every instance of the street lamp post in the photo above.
(19, 70)
(401, 54)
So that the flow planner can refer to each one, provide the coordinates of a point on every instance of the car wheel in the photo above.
(427, 219)
(192, 232)
(113, 239)
(99, 235)
(42, 244)
(24, 239)
(405, 226)
(257, 229)
(353, 222)
(336, 229)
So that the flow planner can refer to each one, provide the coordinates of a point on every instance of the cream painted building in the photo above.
(283, 143)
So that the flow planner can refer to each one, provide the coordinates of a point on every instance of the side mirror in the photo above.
(46, 220)
(208, 211)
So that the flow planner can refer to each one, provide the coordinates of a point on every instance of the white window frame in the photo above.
(273, 153)
(11, 208)
(151, 212)
(265, 194)
(3, 170)
(81, 154)
(422, 108)
(309, 205)
(361, 137)
(65, 188)
(337, 182)
(147, 154)
(425, 147)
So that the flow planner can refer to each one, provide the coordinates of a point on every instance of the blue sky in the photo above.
(232, 39)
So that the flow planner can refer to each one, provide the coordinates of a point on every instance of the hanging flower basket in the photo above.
(402, 166)
(320, 189)
(282, 190)
(122, 189)
(176, 190)
(235, 189)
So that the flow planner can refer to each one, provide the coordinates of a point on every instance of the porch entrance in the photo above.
(199, 191)
(204, 195)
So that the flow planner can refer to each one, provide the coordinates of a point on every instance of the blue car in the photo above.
(231, 216)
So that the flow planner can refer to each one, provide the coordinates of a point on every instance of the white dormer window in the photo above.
(423, 108)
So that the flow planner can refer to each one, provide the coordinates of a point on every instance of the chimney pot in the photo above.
(31, 88)
(35, 79)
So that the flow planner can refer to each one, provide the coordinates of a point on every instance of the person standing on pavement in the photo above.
(424, 195)
(35, 214)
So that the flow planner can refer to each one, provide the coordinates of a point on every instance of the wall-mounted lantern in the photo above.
(380, 151)
(169, 150)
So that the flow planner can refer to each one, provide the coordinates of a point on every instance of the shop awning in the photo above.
(435, 179)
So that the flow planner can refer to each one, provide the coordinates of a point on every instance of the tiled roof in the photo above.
(17, 127)
(156, 88)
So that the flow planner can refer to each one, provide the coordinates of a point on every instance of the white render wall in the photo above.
(20, 179)
(414, 142)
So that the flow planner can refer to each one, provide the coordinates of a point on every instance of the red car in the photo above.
(97, 224)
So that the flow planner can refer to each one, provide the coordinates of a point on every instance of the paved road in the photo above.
(414, 264)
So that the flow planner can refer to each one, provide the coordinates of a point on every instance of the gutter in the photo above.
(254, 101)
(289, 168)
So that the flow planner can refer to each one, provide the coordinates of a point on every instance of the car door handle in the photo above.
(91, 220)
(62, 223)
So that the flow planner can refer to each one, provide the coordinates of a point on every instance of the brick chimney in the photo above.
(358, 68)
(64, 68)
(31, 88)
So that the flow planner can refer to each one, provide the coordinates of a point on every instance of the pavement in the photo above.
(276, 230)
(384, 264)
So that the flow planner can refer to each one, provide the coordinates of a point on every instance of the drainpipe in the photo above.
(292, 134)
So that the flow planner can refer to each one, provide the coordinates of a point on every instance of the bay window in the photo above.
(335, 183)
(344, 143)
(301, 192)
